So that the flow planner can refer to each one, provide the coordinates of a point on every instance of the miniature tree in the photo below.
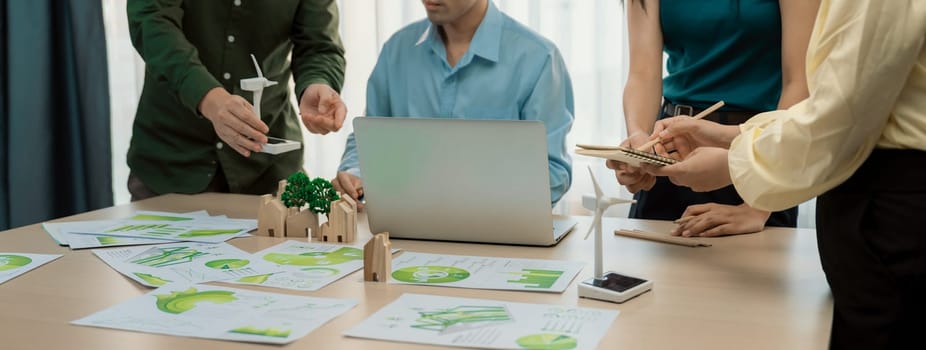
(320, 195)
(317, 193)
(296, 192)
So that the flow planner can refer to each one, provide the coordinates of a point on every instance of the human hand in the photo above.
(633, 178)
(704, 169)
(322, 109)
(684, 134)
(349, 185)
(234, 121)
(713, 220)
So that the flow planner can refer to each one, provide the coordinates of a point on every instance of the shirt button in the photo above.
(219, 145)
(237, 2)
(226, 76)
(208, 174)
(231, 38)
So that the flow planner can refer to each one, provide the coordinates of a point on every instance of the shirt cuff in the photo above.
(301, 86)
(195, 86)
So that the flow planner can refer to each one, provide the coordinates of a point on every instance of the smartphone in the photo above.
(276, 145)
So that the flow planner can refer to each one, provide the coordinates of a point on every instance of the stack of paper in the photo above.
(148, 227)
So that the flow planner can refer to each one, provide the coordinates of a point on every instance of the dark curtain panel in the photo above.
(55, 156)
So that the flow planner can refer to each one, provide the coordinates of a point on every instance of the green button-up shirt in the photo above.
(191, 47)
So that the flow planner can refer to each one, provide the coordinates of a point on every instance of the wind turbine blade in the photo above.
(614, 200)
(257, 66)
(598, 192)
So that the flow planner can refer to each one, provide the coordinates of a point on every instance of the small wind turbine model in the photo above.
(256, 85)
(609, 286)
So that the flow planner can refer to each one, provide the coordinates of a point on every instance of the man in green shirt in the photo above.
(194, 130)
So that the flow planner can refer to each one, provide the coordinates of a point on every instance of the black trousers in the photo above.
(873, 252)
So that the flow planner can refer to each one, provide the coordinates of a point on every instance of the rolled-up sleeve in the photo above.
(551, 101)
(377, 105)
(860, 56)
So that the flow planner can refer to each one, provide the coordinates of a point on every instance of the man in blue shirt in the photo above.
(468, 60)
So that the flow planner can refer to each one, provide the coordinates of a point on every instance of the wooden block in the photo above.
(271, 217)
(281, 187)
(350, 219)
(299, 222)
(662, 237)
(377, 258)
(347, 219)
(342, 222)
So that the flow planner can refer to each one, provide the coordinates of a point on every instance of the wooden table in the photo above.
(758, 291)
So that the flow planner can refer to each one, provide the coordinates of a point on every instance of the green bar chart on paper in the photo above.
(532, 278)
(483, 272)
(207, 230)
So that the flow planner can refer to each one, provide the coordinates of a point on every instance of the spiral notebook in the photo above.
(623, 154)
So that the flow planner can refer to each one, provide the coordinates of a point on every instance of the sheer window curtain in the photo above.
(590, 34)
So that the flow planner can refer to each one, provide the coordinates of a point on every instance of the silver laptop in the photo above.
(482, 181)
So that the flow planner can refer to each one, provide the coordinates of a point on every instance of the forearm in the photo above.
(349, 161)
(642, 97)
(559, 161)
(792, 92)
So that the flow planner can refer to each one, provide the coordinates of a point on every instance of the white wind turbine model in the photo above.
(256, 85)
(609, 286)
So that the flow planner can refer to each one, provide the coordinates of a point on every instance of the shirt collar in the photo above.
(486, 41)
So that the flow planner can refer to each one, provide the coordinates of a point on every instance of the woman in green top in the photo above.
(748, 53)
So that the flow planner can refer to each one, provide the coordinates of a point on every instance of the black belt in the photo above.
(670, 109)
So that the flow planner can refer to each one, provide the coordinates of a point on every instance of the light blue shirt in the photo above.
(509, 72)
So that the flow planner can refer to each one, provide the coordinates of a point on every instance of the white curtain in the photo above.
(591, 34)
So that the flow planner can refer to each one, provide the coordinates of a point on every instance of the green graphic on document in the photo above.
(152, 279)
(107, 240)
(461, 318)
(547, 341)
(266, 332)
(151, 217)
(161, 257)
(340, 256)
(180, 302)
(211, 232)
(430, 274)
(256, 279)
(149, 229)
(228, 264)
(9, 262)
(319, 271)
(532, 278)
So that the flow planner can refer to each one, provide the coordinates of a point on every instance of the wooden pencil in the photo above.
(703, 114)
(662, 237)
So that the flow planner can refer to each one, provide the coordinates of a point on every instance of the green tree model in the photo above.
(317, 193)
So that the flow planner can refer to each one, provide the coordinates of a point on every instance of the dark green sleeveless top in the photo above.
(722, 50)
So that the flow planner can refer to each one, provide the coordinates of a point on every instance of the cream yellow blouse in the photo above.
(866, 71)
